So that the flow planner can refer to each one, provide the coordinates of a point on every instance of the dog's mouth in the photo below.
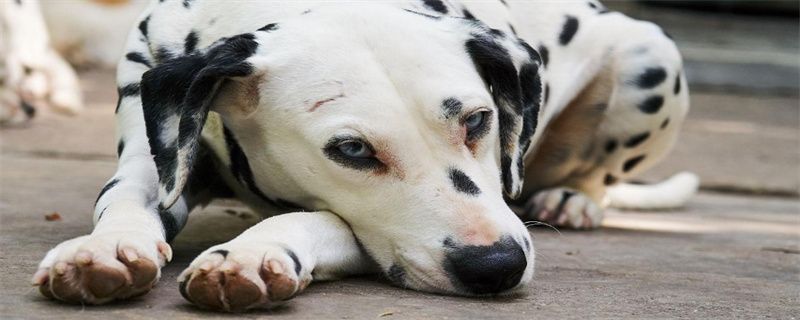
(405, 273)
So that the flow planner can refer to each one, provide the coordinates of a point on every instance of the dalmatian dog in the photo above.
(388, 137)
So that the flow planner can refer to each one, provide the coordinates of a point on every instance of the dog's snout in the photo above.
(487, 269)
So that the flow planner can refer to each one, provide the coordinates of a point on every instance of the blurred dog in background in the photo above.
(41, 42)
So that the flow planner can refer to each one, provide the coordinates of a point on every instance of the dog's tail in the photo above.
(671, 193)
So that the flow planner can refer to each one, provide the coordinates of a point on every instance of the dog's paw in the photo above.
(236, 277)
(95, 269)
(563, 207)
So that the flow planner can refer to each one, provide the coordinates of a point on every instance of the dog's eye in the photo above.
(355, 149)
(476, 124)
(352, 152)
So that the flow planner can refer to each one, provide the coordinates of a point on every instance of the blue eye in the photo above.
(476, 124)
(355, 149)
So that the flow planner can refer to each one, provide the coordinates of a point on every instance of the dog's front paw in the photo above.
(100, 268)
(564, 207)
(236, 277)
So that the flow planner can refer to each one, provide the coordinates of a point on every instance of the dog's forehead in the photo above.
(409, 59)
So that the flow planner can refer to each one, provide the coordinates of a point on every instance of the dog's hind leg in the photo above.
(123, 255)
(622, 122)
(273, 261)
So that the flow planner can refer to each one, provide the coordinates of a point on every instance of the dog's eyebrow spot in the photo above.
(324, 101)
(463, 183)
(451, 107)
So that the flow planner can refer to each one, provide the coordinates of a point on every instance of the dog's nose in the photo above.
(487, 269)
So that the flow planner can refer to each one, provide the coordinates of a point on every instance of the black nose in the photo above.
(486, 269)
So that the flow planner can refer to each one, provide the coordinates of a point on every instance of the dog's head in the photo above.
(409, 127)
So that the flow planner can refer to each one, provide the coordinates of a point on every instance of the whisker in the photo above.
(532, 223)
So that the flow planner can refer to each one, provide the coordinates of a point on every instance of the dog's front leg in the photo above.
(123, 255)
(273, 261)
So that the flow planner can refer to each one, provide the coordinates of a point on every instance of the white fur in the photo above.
(668, 194)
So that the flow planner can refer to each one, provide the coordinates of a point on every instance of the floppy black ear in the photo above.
(510, 69)
(176, 98)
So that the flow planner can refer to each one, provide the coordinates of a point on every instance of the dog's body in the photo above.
(397, 126)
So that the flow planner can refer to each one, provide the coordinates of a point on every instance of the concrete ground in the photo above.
(730, 253)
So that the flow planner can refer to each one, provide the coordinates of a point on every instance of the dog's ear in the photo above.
(510, 69)
(177, 96)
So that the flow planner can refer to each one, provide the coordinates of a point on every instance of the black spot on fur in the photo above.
(497, 33)
(677, 89)
(297, 265)
(240, 166)
(468, 15)
(163, 54)
(545, 54)
(546, 94)
(451, 107)
(463, 183)
(187, 3)
(100, 216)
(138, 58)
(652, 104)
(504, 3)
(631, 163)
(423, 14)
(128, 90)
(611, 146)
(609, 180)
(513, 30)
(19, 2)
(396, 274)
(568, 31)
(27, 109)
(120, 147)
(651, 77)
(592, 5)
(190, 44)
(527, 243)
(564, 198)
(436, 5)
(169, 222)
(636, 140)
(222, 252)
(664, 123)
(105, 189)
(269, 27)
(143, 26)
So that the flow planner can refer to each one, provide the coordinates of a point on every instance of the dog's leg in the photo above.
(273, 261)
(123, 255)
(622, 122)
